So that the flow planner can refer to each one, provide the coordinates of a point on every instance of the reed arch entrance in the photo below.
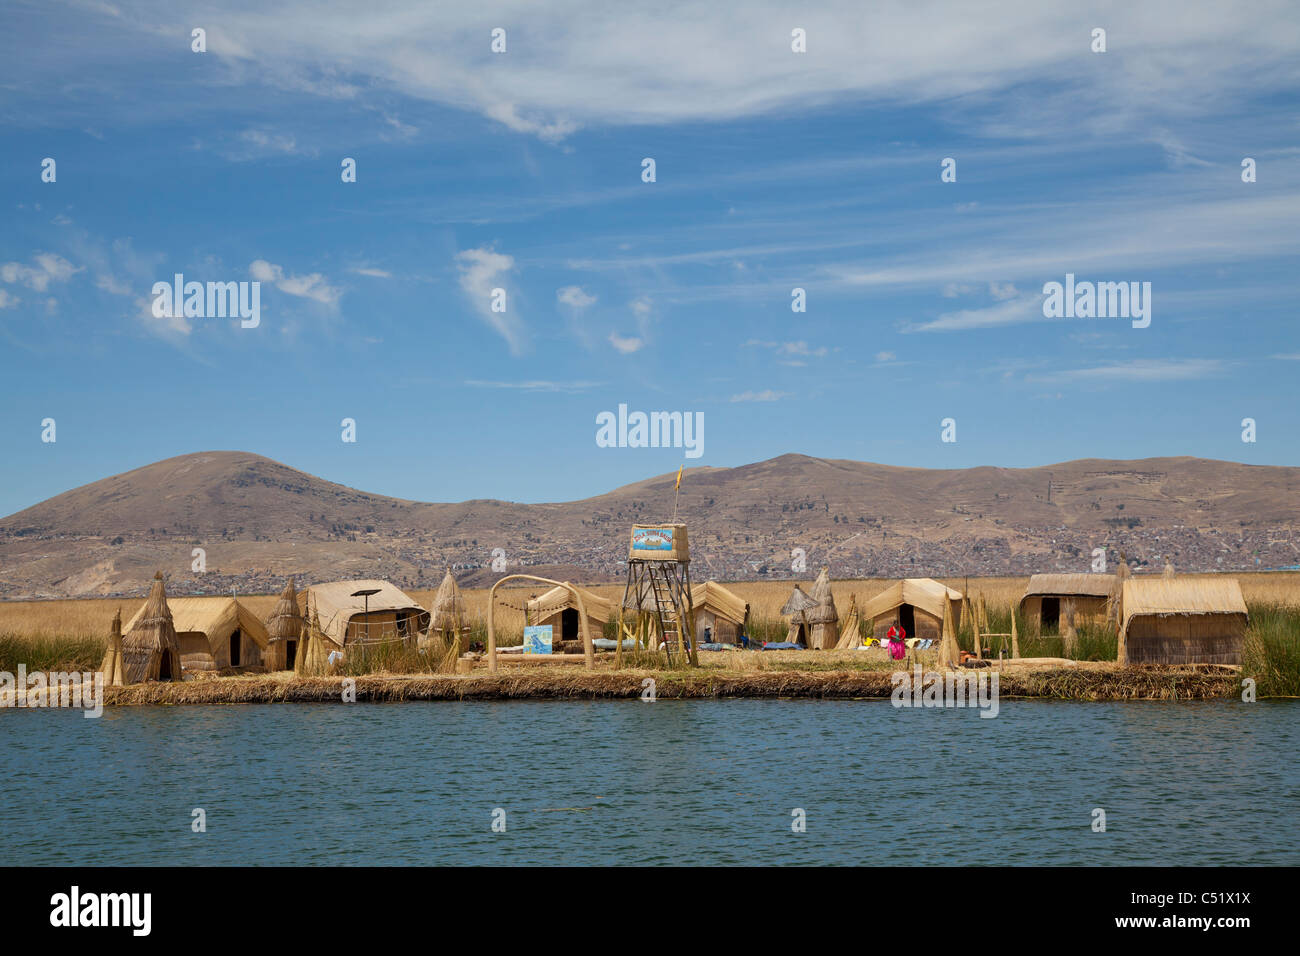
(588, 649)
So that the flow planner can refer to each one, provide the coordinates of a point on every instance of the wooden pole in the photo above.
(1015, 638)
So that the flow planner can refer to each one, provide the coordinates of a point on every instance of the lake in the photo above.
(629, 782)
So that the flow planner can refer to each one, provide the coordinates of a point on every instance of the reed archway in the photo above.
(588, 649)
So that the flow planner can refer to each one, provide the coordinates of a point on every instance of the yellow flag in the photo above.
(679, 478)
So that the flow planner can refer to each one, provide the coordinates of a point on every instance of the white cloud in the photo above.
(625, 345)
(886, 357)
(1024, 309)
(537, 385)
(48, 267)
(767, 395)
(313, 286)
(579, 64)
(8, 301)
(481, 270)
(373, 273)
(575, 297)
(1140, 370)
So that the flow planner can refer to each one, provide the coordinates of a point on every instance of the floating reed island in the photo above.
(1068, 636)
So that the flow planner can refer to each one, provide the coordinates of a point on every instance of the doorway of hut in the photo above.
(907, 619)
(290, 654)
(166, 668)
(569, 624)
(234, 649)
(1050, 616)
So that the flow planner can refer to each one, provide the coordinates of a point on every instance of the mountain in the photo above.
(258, 521)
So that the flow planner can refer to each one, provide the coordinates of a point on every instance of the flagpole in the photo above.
(677, 494)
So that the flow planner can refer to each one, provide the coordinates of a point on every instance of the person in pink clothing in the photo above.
(896, 636)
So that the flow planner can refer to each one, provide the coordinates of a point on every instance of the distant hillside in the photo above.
(258, 521)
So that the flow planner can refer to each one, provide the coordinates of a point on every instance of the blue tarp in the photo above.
(782, 646)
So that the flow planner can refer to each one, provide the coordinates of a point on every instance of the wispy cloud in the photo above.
(313, 286)
(767, 395)
(481, 271)
(575, 297)
(1141, 370)
(537, 385)
(47, 267)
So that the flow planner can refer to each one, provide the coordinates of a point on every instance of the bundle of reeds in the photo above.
(113, 662)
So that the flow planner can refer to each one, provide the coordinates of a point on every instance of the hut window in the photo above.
(1051, 613)
(569, 624)
(234, 649)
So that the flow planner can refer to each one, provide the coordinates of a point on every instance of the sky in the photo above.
(523, 171)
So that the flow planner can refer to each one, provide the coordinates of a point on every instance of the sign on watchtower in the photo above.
(658, 591)
(660, 542)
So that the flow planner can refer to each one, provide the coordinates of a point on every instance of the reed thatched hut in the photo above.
(824, 618)
(367, 611)
(149, 649)
(724, 612)
(215, 633)
(448, 620)
(918, 604)
(558, 608)
(1047, 595)
(1182, 621)
(796, 608)
(284, 630)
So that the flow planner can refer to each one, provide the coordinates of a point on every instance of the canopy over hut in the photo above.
(112, 666)
(917, 604)
(1182, 621)
(149, 649)
(725, 613)
(1047, 594)
(558, 608)
(824, 618)
(284, 631)
(367, 611)
(796, 608)
(214, 633)
(448, 621)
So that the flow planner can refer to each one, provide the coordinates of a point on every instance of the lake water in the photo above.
(627, 782)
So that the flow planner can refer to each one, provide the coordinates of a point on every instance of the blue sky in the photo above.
(522, 171)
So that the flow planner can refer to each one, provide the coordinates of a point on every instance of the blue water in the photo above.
(627, 782)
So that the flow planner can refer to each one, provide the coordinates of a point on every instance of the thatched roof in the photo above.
(448, 611)
(1182, 596)
(559, 597)
(214, 617)
(336, 606)
(151, 631)
(726, 604)
(824, 612)
(286, 621)
(925, 593)
(797, 603)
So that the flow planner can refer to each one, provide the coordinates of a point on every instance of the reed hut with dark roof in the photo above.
(149, 649)
(1048, 596)
(284, 631)
(1182, 621)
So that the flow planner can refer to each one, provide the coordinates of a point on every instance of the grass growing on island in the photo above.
(47, 652)
(1271, 653)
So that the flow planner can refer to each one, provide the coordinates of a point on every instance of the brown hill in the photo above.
(257, 520)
